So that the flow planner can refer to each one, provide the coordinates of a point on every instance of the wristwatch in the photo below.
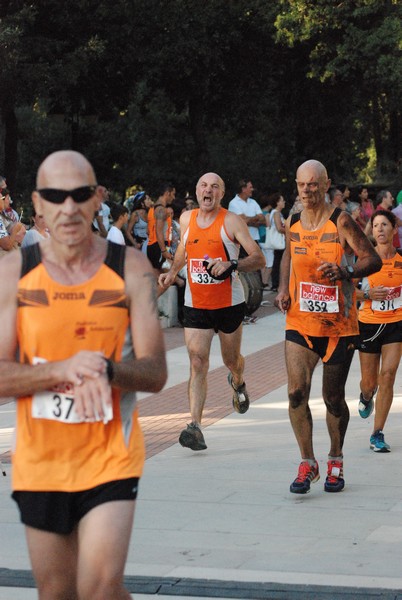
(235, 264)
(366, 294)
(109, 369)
(349, 272)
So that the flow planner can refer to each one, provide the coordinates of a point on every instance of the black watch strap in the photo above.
(109, 369)
(235, 264)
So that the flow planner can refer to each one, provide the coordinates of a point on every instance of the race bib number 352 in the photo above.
(318, 298)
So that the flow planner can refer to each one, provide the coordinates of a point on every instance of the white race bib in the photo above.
(318, 298)
(198, 273)
(58, 404)
(391, 302)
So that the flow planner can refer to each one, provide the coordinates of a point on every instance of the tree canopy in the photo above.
(153, 90)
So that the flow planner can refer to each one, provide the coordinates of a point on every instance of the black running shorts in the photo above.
(226, 319)
(59, 512)
(374, 336)
(331, 350)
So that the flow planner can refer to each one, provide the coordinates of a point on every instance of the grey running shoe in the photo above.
(192, 438)
(241, 400)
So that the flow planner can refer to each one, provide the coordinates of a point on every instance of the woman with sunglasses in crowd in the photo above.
(380, 324)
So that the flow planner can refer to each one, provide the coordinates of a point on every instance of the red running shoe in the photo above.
(307, 474)
(334, 481)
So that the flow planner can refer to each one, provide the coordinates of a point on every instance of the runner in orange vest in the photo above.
(214, 299)
(317, 293)
(80, 313)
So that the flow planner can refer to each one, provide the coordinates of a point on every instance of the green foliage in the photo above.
(153, 90)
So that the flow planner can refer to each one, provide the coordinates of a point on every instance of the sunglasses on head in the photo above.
(81, 194)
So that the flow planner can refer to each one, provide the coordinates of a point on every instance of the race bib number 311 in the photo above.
(391, 302)
(318, 298)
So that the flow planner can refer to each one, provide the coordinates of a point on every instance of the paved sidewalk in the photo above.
(222, 523)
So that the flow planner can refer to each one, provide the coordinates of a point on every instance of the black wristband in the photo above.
(109, 370)
(223, 275)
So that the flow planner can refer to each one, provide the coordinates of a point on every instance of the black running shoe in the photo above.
(192, 438)
(241, 400)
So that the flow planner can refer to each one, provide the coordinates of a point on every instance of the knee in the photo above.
(387, 377)
(297, 398)
(336, 405)
(199, 363)
(234, 364)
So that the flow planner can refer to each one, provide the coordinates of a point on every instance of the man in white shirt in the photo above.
(119, 214)
(247, 208)
(101, 221)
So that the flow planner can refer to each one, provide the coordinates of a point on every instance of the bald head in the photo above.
(65, 169)
(314, 166)
(312, 183)
(212, 177)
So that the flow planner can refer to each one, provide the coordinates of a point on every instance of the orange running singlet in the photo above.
(152, 239)
(53, 451)
(202, 291)
(390, 309)
(319, 307)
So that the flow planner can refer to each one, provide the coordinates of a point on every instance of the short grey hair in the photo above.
(351, 207)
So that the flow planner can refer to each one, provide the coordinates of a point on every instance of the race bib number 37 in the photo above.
(318, 298)
(58, 404)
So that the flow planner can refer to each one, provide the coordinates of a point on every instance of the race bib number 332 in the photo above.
(198, 273)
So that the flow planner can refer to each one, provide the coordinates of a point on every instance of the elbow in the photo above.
(158, 380)
(158, 385)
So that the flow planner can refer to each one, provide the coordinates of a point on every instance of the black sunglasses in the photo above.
(81, 194)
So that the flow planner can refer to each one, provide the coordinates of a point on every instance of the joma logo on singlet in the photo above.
(69, 296)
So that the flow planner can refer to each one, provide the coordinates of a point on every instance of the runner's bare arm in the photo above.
(148, 371)
(282, 300)
(353, 240)
(238, 229)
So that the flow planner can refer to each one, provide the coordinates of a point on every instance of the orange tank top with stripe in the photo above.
(53, 451)
(152, 239)
(319, 307)
(202, 291)
(390, 309)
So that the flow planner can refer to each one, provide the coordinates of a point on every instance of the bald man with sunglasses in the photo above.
(81, 314)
